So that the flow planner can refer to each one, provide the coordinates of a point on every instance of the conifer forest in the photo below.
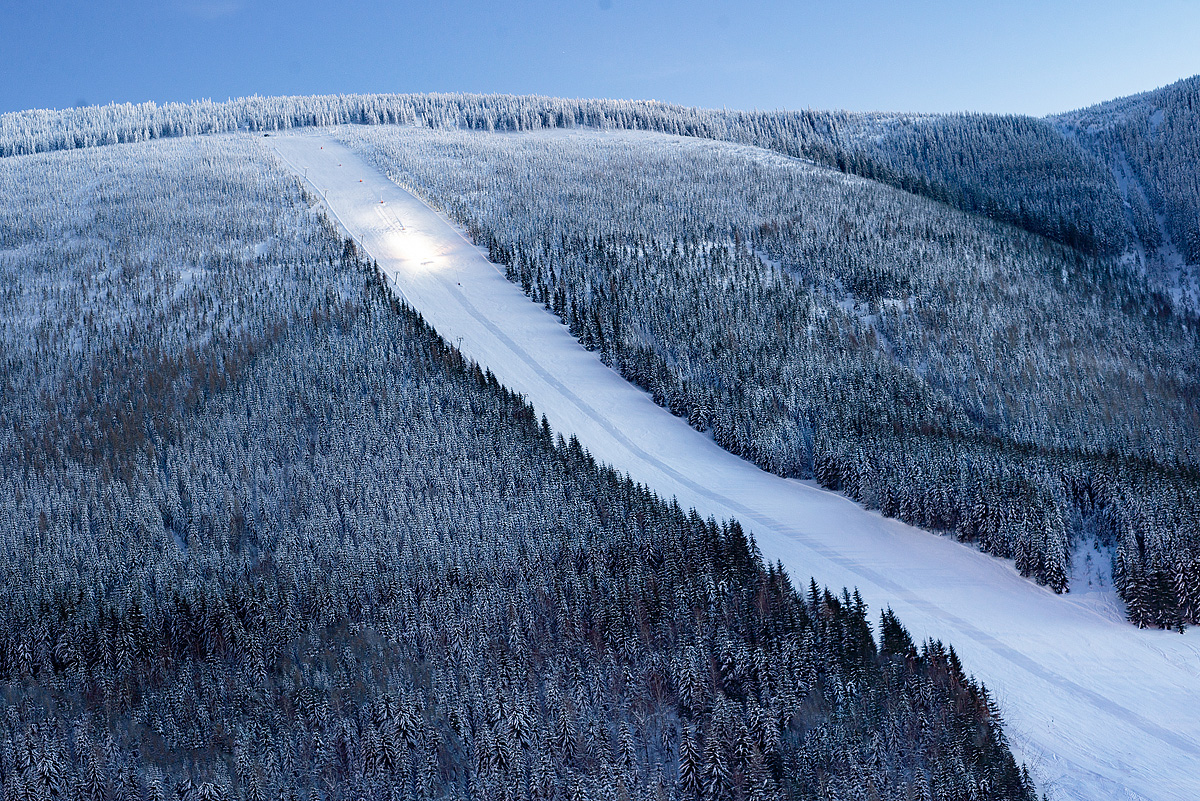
(961, 374)
(267, 535)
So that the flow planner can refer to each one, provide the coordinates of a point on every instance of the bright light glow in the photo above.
(416, 252)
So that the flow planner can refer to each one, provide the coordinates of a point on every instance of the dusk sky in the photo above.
(1028, 57)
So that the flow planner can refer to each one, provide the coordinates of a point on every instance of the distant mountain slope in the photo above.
(955, 372)
(266, 535)
(1015, 169)
(37, 131)
(1019, 170)
(1151, 142)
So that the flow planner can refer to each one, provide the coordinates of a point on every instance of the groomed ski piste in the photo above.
(1095, 707)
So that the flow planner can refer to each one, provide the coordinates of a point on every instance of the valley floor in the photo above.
(1097, 708)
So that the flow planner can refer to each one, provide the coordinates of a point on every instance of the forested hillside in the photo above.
(1151, 142)
(1017, 169)
(1020, 170)
(809, 133)
(267, 536)
(957, 373)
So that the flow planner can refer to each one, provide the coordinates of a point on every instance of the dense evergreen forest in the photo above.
(1112, 180)
(955, 372)
(267, 536)
(1018, 169)
(1151, 142)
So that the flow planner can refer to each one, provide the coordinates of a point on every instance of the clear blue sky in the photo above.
(1027, 56)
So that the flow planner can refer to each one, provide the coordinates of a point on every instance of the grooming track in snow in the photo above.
(1097, 708)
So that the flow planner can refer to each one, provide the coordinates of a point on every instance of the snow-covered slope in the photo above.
(1098, 708)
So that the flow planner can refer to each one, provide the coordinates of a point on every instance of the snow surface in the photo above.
(1097, 708)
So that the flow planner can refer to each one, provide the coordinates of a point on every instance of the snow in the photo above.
(1156, 120)
(1096, 707)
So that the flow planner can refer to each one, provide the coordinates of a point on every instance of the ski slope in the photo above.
(1095, 707)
